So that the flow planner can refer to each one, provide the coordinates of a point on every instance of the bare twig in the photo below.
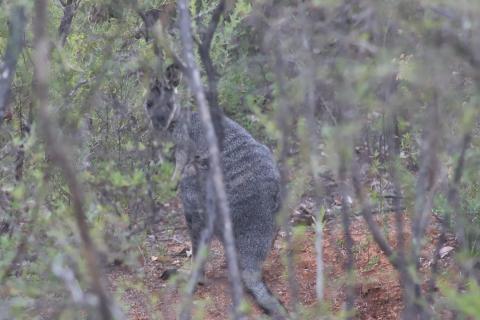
(201, 258)
(453, 201)
(426, 178)
(392, 157)
(350, 293)
(161, 40)
(69, 9)
(212, 75)
(216, 14)
(405, 276)
(204, 50)
(150, 18)
(214, 152)
(372, 225)
(425, 191)
(313, 139)
(71, 283)
(283, 117)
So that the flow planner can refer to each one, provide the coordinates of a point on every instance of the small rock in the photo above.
(445, 251)
(167, 274)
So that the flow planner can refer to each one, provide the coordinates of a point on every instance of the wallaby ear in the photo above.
(173, 75)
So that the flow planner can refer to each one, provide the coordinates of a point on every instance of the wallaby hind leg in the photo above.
(195, 227)
(199, 232)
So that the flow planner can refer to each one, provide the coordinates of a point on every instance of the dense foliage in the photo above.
(381, 92)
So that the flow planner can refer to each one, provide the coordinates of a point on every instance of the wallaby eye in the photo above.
(172, 125)
(149, 104)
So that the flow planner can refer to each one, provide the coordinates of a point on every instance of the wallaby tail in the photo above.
(264, 298)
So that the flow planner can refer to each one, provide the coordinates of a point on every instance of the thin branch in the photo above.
(350, 293)
(71, 283)
(214, 152)
(201, 258)
(161, 41)
(427, 176)
(14, 47)
(69, 9)
(283, 123)
(212, 75)
(372, 225)
(452, 198)
(208, 35)
(402, 268)
(392, 157)
(313, 139)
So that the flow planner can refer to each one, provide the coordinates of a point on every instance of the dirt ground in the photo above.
(378, 294)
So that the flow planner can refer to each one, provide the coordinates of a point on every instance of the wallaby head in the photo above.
(161, 104)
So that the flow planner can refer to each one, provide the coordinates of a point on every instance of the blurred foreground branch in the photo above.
(8, 65)
(215, 175)
(59, 157)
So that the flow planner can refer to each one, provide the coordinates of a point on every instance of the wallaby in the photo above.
(251, 179)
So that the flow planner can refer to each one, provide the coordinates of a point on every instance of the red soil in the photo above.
(378, 293)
